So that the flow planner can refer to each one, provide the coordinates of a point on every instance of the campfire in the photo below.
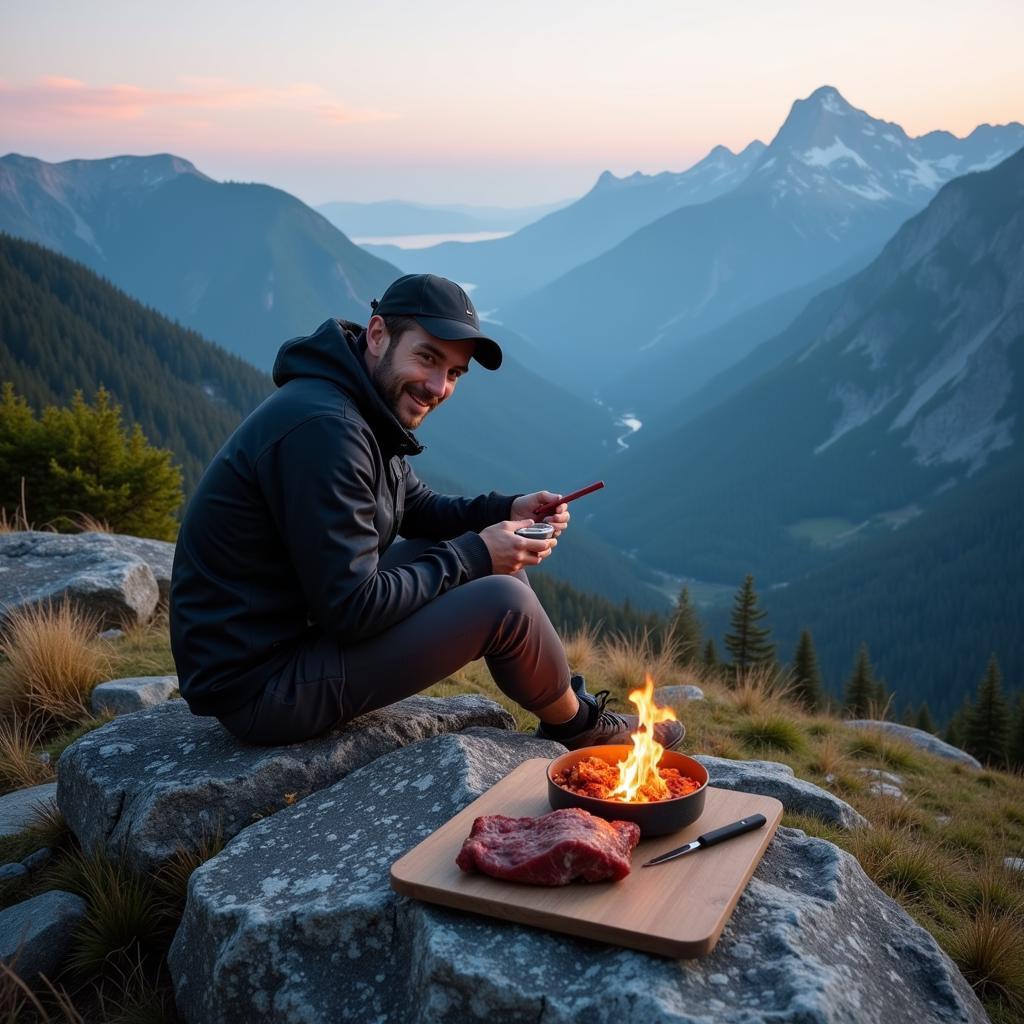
(637, 778)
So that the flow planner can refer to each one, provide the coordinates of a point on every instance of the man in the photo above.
(293, 606)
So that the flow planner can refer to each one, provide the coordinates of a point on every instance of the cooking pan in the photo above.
(657, 818)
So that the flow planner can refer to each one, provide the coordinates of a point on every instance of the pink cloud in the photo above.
(57, 97)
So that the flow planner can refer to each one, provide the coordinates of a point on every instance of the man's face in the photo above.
(416, 374)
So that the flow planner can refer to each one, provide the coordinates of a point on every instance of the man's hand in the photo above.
(527, 504)
(510, 552)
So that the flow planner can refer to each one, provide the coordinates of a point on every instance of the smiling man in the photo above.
(295, 607)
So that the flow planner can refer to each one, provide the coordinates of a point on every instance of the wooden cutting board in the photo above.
(676, 909)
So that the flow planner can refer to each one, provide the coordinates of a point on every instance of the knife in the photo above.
(718, 835)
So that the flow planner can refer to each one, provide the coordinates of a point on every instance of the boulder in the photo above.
(1013, 863)
(36, 936)
(295, 921)
(887, 784)
(89, 569)
(151, 783)
(157, 554)
(122, 696)
(671, 696)
(18, 808)
(770, 778)
(919, 738)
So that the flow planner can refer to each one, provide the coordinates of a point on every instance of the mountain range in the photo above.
(894, 387)
(505, 269)
(825, 195)
(872, 477)
(399, 217)
(245, 265)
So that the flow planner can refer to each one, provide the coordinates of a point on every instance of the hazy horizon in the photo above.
(497, 106)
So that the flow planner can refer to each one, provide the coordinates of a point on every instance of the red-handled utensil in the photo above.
(546, 510)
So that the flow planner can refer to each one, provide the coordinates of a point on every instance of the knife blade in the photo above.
(718, 835)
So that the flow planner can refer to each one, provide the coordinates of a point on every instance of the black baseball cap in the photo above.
(442, 309)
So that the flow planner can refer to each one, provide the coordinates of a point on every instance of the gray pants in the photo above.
(327, 683)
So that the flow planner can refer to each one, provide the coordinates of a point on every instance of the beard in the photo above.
(392, 388)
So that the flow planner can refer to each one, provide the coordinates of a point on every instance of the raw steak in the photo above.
(550, 850)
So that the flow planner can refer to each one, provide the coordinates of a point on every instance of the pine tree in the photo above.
(907, 716)
(988, 726)
(924, 719)
(710, 657)
(860, 687)
(686, 628)
(748, 643)
(806, 672)
(82, 461)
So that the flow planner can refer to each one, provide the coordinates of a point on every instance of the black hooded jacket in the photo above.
(286, 526)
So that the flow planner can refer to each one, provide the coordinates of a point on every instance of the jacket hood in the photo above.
(334, 352)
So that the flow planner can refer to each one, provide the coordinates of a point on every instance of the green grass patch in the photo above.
(774, 732)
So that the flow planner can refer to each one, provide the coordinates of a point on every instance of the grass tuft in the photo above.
(582, 649)
(908, 869)
(171, 880)
(770, 731)
(829, 758)
(762, 690)
(54, 659)
(124, 920)
(20, 764)
(987, 947)
(629, 657)
(890, 750)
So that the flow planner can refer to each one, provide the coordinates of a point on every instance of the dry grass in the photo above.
(20, 763)
(19, 1003)
(986, 945)
(83, 522)
(53, 660)
(582, 649)
(828, 758)
(763, 690)
(906, 867)
(627, 658)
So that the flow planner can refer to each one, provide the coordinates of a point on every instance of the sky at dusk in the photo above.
(501, 103)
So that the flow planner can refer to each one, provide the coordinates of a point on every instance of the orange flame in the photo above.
(640, 768)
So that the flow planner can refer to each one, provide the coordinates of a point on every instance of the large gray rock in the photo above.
(159, 780)
(18, 808)
(918, 738)
(123, 696)
(157, 554)
(672, 696)
(295, 923)
(36, 936)
(770, 778)
(92, 570)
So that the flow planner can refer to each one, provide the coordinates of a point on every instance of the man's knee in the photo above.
(501, 594)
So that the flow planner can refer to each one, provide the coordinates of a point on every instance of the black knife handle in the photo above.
(736, 828)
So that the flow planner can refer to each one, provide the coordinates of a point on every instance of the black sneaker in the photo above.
(607, 726)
